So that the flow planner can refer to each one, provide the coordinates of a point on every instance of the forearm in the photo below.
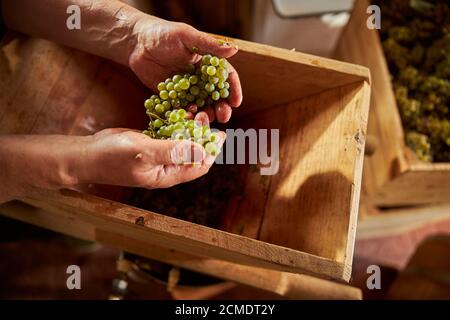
(106, 25)
(29, 163)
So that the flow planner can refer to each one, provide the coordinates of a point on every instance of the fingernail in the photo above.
(186, 152)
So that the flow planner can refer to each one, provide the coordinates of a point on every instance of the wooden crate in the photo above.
(301, 220)
(393, 176)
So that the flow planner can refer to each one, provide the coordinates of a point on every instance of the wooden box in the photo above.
(393, 176)
(300, 220)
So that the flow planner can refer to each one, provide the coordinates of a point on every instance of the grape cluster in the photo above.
(182, 96)
(416, 41)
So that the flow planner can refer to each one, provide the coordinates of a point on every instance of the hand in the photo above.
(112, 156)
(163, 48)
(128, 158)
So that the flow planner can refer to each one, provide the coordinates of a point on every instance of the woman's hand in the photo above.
(163, 48)
(123, 157)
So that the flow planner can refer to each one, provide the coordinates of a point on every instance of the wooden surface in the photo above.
(289, 285)
(392, 175)
(427, 274)
(310, 205)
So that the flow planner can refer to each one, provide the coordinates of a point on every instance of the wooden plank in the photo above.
(316, 190)
(183, 236)
(262, 66)
(393, 222)
(392, 177)
(289, 285)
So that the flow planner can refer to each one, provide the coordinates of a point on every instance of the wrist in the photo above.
(31, 163)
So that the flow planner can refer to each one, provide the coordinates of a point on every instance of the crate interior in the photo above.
(308, 205)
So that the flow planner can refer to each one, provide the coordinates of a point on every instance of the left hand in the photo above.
(163, 48)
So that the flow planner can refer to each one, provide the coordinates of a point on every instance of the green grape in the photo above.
(206, 132)
(159, 108)
(204, 77)
(157, 123)
(164, 94)
(190, 97)
(190, 124)
(190, 68)
(223, 63)
(169, 86)
(184, 84)
(177, 88)
(182, 113)
(209, 87)
(182, 94)
(161, 86)
(173, 94)
(214, 61)
(186, 76)
(213, 80)
(212, 148)
(222, 74)
(224, 93)
(179, 126)
(211, 70)
(179, 136)
(227, 85)
(193, 79)
(200, 102)
(204, 70)
(215, 95)
(221, 85)
(168, 80)
(198, 133)
(206, 59)
(176, 78)
(174, 117)
(176, 103)
(166, 105)
(203, 94)
(167, 114)
(154, 97)
(157, 101)
(194, 90)
(149, 104)
(214, 137)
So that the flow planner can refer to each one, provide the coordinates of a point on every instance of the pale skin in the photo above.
(153, 49)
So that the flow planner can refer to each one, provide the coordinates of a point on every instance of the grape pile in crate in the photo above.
(182, 96)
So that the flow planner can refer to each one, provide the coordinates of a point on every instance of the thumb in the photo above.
(202, 43)
(176, 152)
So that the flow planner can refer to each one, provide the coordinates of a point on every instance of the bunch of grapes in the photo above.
(182, 96)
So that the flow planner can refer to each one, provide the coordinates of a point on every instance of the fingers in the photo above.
(235, 98)
(202, 43)
(202, 118)
(168, 152)
(176, 174)
(223, 112)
